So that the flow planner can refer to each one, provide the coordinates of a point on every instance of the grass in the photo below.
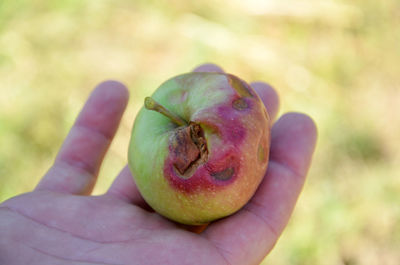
(337, 61)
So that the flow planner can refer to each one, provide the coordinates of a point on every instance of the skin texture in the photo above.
(58, 223)
(236, 130)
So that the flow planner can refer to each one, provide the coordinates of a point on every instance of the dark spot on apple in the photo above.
(224, 175)
(240, 104)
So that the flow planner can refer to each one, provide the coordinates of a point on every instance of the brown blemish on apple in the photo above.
(202, 177)
(240, 104)
(261, 154)
(239, 86)
(189, 149)
(225, 174)
(182, 143)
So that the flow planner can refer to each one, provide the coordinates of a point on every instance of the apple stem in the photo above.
(151, 104)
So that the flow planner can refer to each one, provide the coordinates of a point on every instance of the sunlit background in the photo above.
(338, 61)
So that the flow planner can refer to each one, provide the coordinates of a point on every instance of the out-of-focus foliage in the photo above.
(338, 61)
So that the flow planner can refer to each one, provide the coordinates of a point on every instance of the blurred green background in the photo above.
(338, 61)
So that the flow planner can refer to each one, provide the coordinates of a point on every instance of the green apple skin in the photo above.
(236, 129)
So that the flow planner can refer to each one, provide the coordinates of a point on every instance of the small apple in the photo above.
(204, 158)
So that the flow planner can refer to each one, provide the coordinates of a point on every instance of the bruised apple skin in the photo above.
(207, 160)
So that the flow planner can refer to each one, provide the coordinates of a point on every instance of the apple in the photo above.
(199, 147)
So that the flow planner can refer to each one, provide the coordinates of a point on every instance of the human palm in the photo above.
(59, 223)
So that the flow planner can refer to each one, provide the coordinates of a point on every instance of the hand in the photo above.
(58, 223)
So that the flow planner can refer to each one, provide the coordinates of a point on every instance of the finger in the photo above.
(77, 164)
(124, 188)
(253, 231)
(269, 96)
(208, 67)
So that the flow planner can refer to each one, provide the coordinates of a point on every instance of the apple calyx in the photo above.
(188, 146)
